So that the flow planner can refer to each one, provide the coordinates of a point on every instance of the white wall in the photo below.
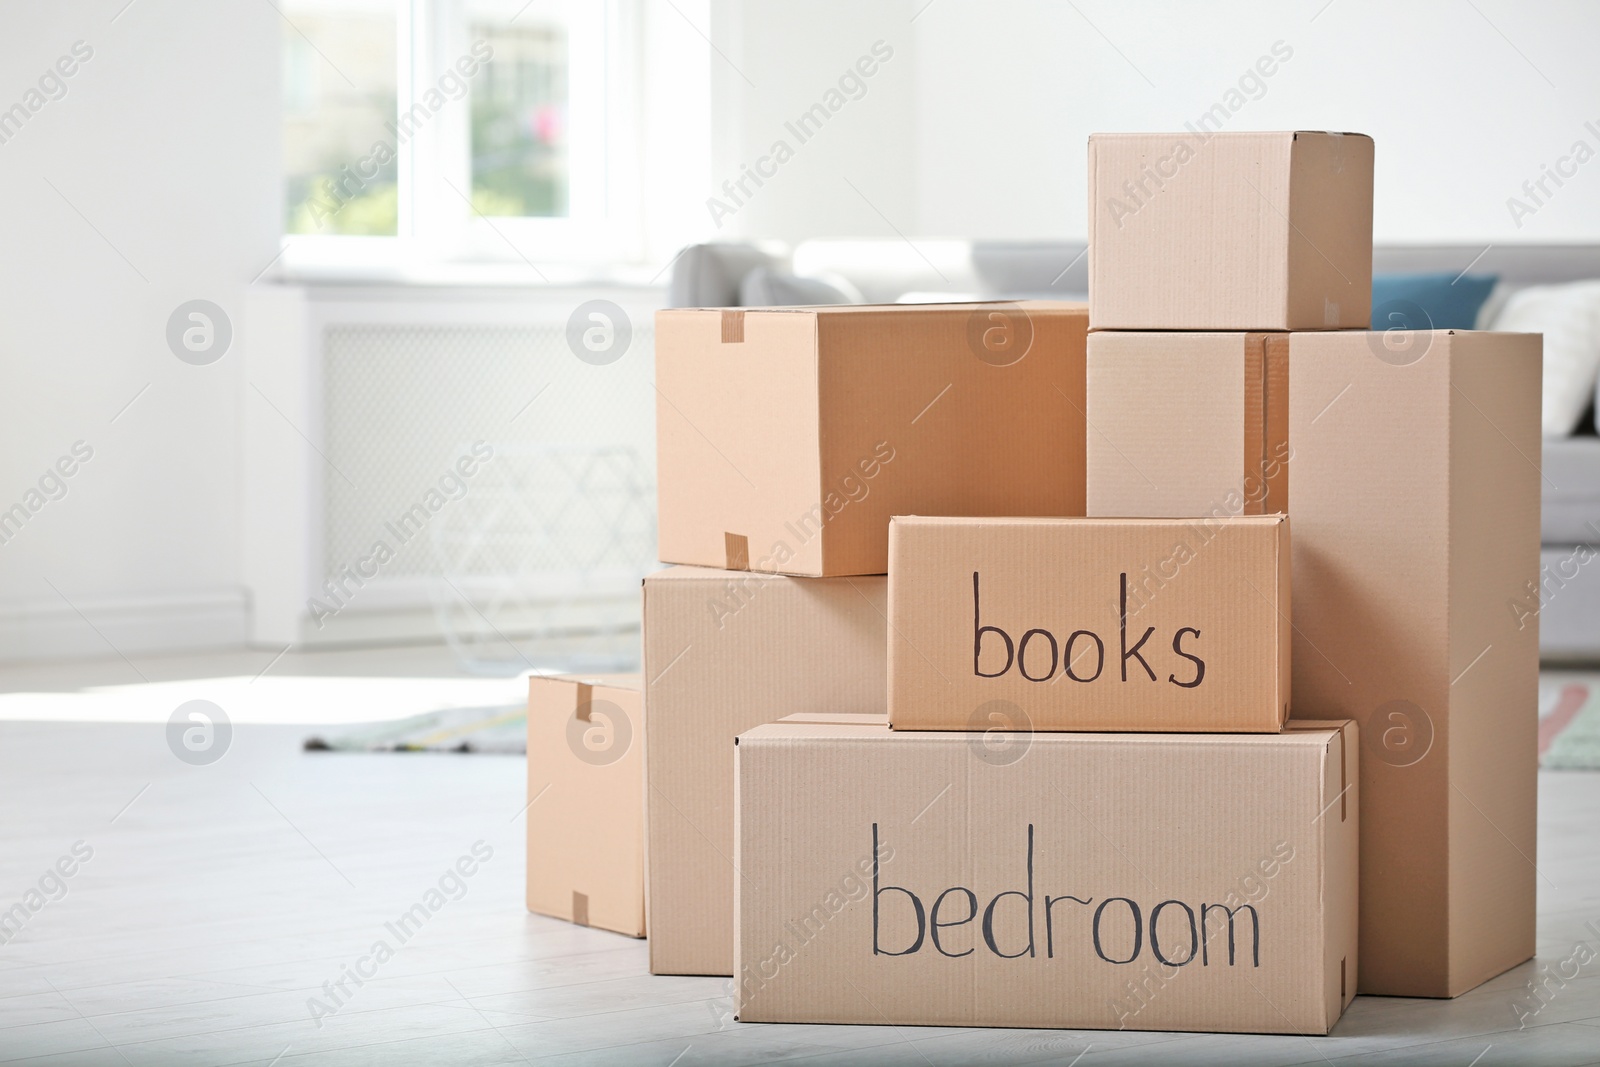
(1465, 100)
(166, 144)
(857, 175)
(675, 119)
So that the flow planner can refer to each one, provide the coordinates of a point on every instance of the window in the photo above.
(483, 130)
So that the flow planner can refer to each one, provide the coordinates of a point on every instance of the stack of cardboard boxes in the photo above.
(1408, 463)
(1120, 781)
(787, 439)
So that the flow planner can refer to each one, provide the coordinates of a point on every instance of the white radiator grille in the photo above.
(402, 402)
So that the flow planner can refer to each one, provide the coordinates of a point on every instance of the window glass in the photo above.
(520, 163)
(340, 172)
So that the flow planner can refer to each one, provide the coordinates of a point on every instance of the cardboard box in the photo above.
(725, 651)
(1411, 472)
(903, 878)
(1188, 423)
(586, 801)
(787, 437)
(1230, 231)
(1167, 625)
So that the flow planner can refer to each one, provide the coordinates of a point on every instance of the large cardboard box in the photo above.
(1120, 881)
(1167, 625)
(586, 801)
(725, 651)
(1410, 468)
(1230, 231)
(787, 437)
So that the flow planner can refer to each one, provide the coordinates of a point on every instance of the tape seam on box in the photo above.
(1255, 422)
(1266, 423)
(1344, 779)
(736, 552)
(1275, 410)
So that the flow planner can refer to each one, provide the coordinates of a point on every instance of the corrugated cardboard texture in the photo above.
(1266, 428)
(1230, 231)
(586, 801)
(724, 652)
(1493, 743)
(1341, 925)
(1413, 487)
(839, 826)
(1089, 624)
(1415, 499)
(1187, 424)
(785, 446)
(1330, 232)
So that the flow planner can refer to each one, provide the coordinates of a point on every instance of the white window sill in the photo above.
(381, 262)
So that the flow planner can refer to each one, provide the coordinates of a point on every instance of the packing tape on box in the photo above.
(1344, 802)
(733, 327)
(736, 547)
(1266, 423)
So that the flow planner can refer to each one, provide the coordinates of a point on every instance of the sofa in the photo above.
(887, 271)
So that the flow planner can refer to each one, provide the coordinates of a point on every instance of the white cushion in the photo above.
(1492, 307)
(1569, 317)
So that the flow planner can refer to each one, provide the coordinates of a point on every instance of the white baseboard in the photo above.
(91, 629)
(404, 624)
(220, 619)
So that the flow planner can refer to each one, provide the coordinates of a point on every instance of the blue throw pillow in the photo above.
(1429, 301)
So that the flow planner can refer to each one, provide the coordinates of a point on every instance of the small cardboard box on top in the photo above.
(1165, 625)
(787, 437)
(586, 801)
(725, 651)
(1408, 462)
(1107, 881)
(1230, 231)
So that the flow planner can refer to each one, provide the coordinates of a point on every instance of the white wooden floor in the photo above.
(219, 899)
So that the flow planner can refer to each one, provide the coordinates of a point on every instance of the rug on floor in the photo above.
(1569, 721)
(500, 730)
(1569, 728)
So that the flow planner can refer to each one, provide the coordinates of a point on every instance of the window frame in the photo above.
(437, 225)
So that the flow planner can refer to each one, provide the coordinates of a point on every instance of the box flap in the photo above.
(837, 718)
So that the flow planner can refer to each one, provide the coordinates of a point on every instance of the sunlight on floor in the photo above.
(267, 700)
